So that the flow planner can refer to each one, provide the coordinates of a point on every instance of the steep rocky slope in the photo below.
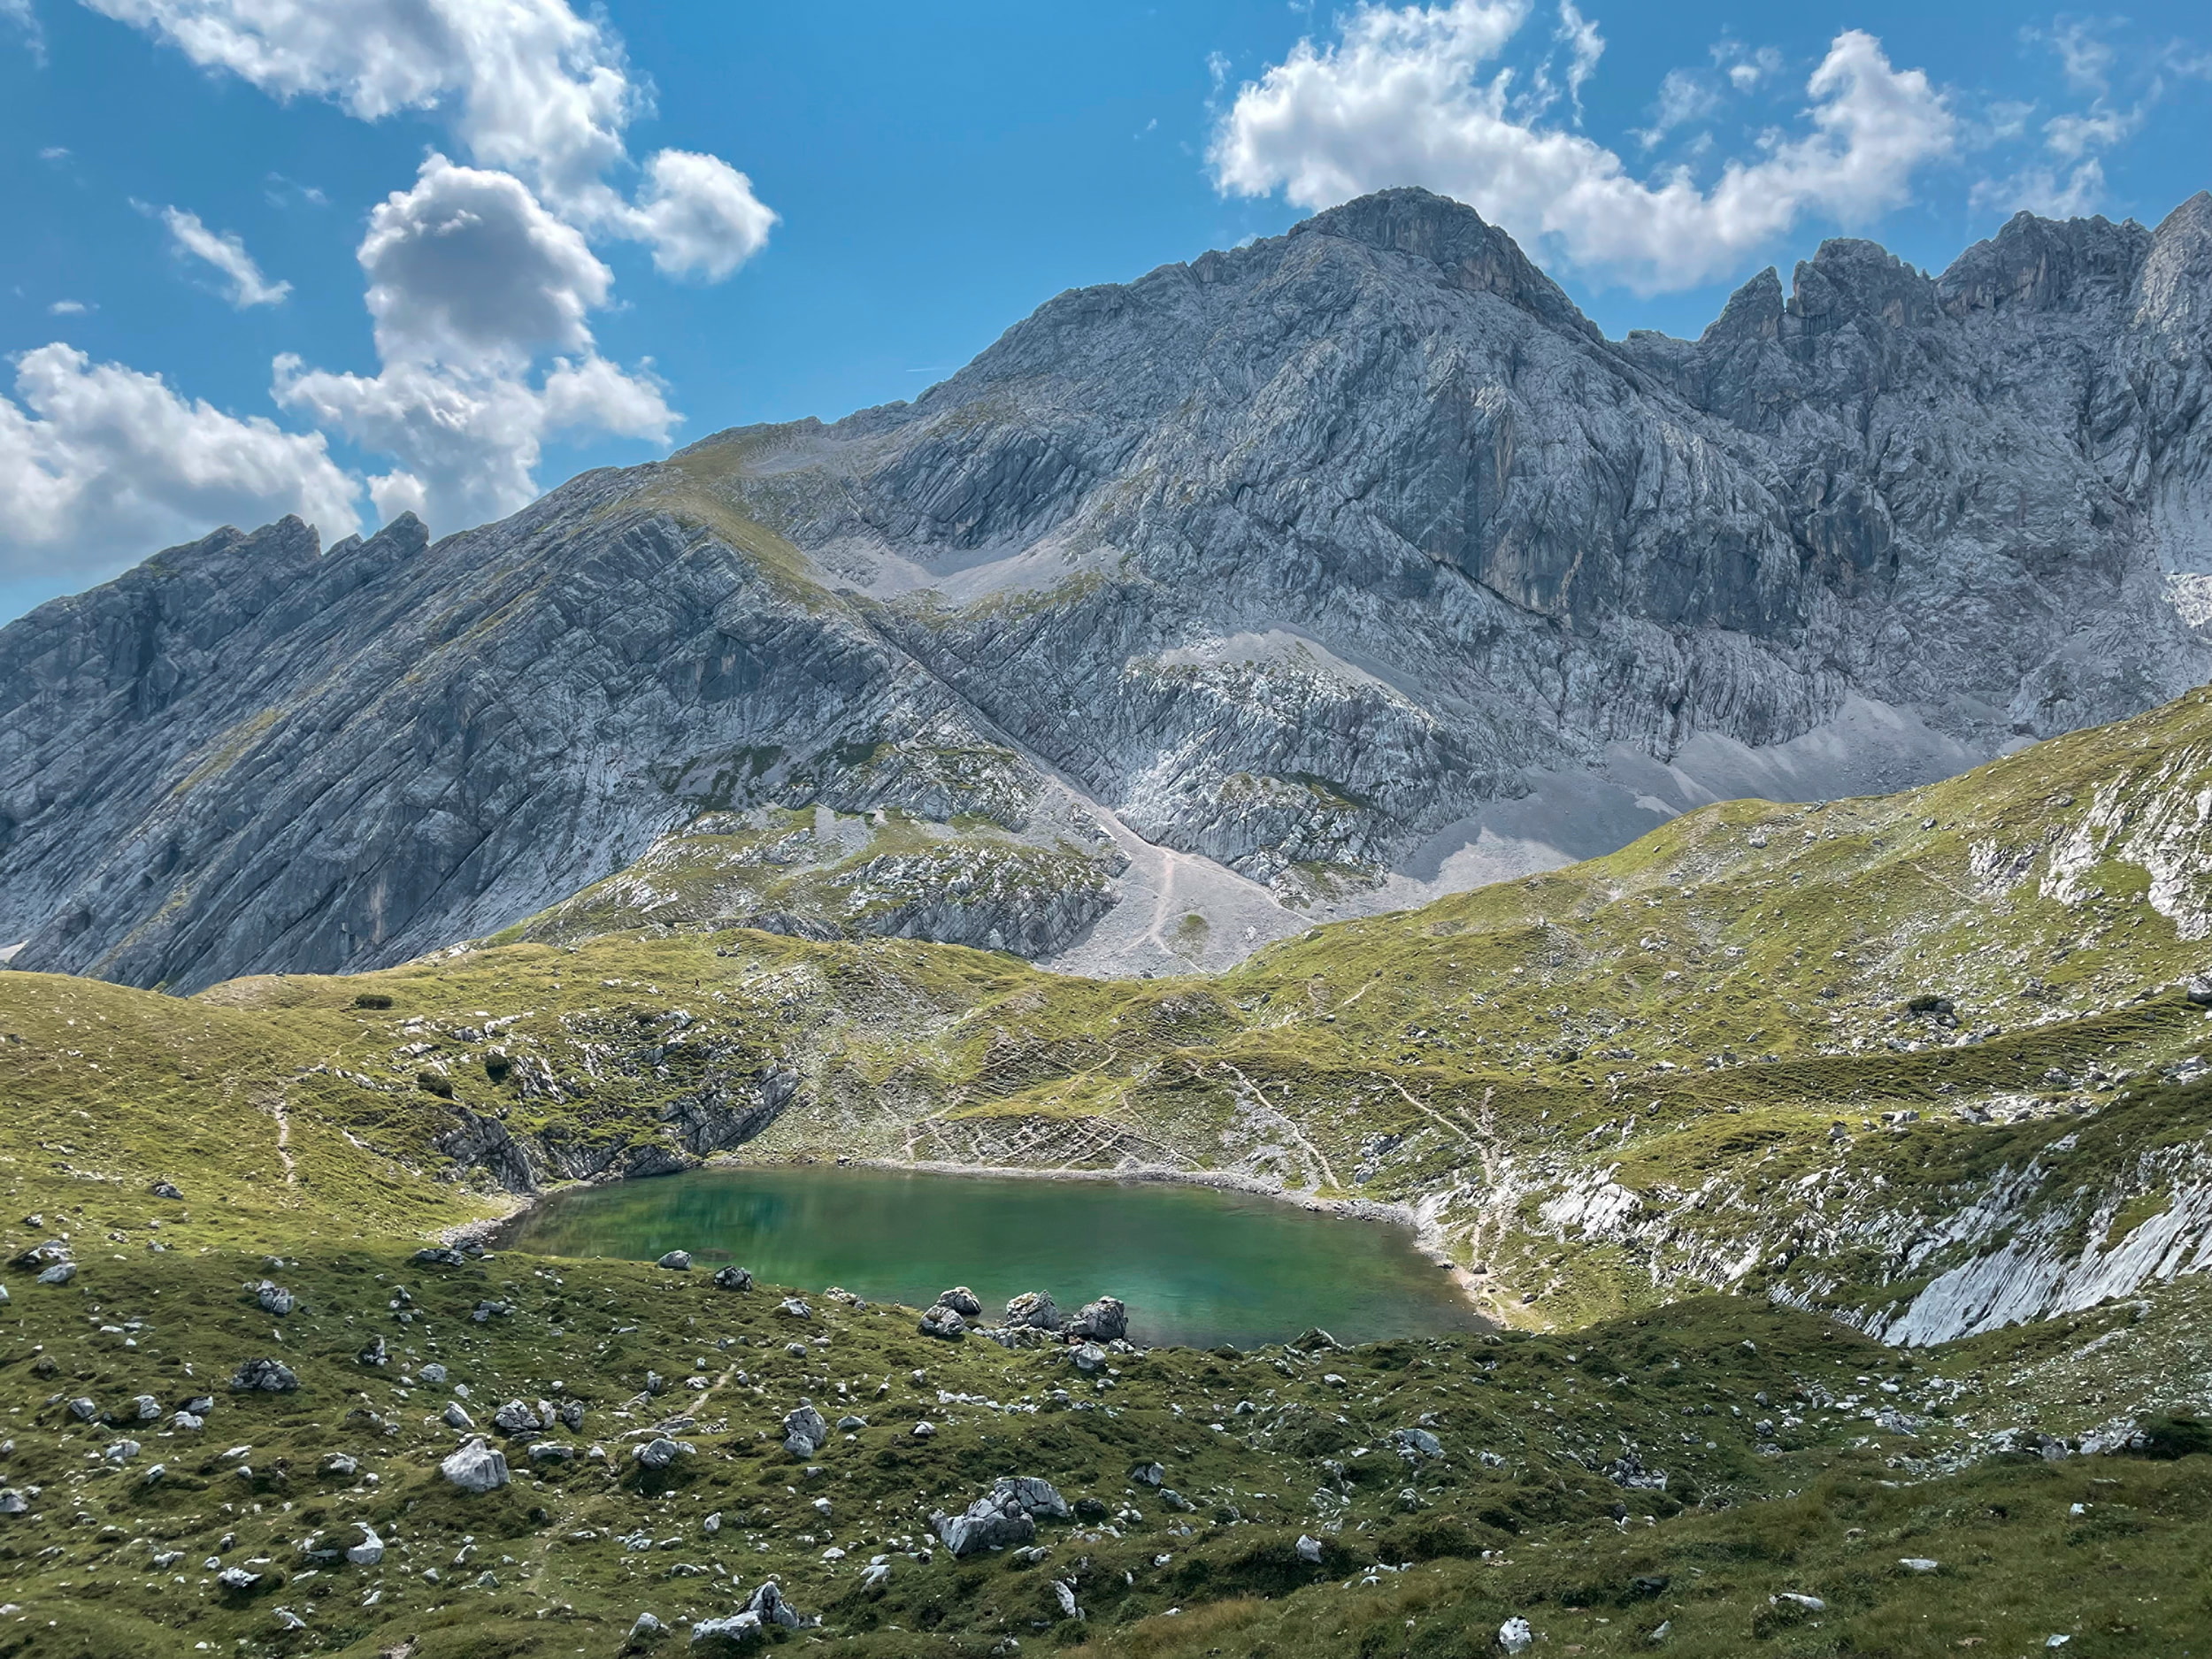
(1325, 575)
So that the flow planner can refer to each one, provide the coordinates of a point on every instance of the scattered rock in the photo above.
(1064, 1593)
(1415, 1444)
(944, 1322)
(164, 1189)
(1148, 1474)
(1308, 1549)
(437, 1256)
(376, 1353)
(275, 1299)
(647, 1628)
(84, 1409)
(1033, 1309)
(962, 1300)
(1791, 1598)
(1090, 1358)
(476, 1467)
(1919, 1563)
(1514, 1636)
(676, 1262)
(340, 1464)
(265, 1375)
(804, 1432)
(794, 1308)
(455, 1417)
(659, 1453)
(238, 1580)
(923, 1430)
(1005, 1516)
(61, 1273)
(767, 1604)
(1105, 1320)
(12, 1502)
(733, 1279)
(370, 1551)
(516, 1418)
(726, 1635)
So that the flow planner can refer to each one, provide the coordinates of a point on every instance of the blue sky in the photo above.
(348, 255)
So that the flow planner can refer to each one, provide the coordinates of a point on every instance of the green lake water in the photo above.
(1196, 1265)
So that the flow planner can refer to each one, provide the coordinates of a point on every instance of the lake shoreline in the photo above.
(489, 1230)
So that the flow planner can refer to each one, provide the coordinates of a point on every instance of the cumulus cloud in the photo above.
(227, 254)
(528, 86)
(470, 282)
(100, 464)
(1409, 94)
(468, 267)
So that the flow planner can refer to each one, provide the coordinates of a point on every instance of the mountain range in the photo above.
(1320, 577)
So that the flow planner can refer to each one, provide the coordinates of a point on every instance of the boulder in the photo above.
(767, 1604)
(455, 1416)
(375, 1355)
(1514, 1636)
(275, 1299)
(659, 1453)
(962, 1300)
(1105, 1320)
(61, 1273)
(1415, 1444)
(646, 1629)
(516, 1418)
(1148, 1474)
(734, 1634)
(676, 1262)
(437, 1256)
(1090, 1358)
(733, 1279)
(792, 1307)
(1308, 1549)
(432, 1373)
(804, 1432)
(1034, 1309)
(264, 1375)
(944, 1323)
(1005, 1516)
(340, 1464)
(476, 1467)
(164, 1189)
(370, 1551)
(238, 1580)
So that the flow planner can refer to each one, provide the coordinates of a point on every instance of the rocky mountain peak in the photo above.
(1472, 254)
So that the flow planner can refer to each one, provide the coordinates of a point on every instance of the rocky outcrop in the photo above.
(1352, 558)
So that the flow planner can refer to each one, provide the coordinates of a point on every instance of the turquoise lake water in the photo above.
(1196, 1265)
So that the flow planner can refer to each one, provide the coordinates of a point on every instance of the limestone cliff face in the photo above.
(1305, 564)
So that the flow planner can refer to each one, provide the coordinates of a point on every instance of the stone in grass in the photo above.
(370, 1551)
(1919, 1563)
(376, 1353)
(84, 1409)
(455, 1417)
(264, 1375)
(1514, 1636)
(793, 1308)
(433, 1373)
(516, 1418)
(1005, 1516)
(238, 1581)
(1148, 1474)
(1308, 1549)
(165, 1189)
(767, 1604)
(275, 1299)
(141, 1408)
(1803, 1604)
(733, 1279)
(12, 1502)
(647, 1628)
(659, 1453)
(962, 1300)
(733, 1634)
(944, 1323)
(805, 1431)
(439, 1256)
(1090, 1358)
(1413, 1444)
(676, 1262)
(476, 1467)
(61, 1273)
(342, 1464)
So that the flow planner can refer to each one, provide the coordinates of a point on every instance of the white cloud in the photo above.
(227, 254)
(1580, 36)
(470, 282)
(2086, 61)
(2053, 192)
(467, 441)
(528, 86)
(700, 215)
(1683, 97)
(1745, 68)
(100, 464)
(468, 267)
(1403, 97)
(18, 13)
(68, 308)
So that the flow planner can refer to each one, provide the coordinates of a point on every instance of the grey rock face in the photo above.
(1105, 1320)
(1304, 567)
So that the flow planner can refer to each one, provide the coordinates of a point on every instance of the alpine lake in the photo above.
(1198, 1266)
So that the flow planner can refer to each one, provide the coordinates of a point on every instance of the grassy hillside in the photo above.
(1930, 1064)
